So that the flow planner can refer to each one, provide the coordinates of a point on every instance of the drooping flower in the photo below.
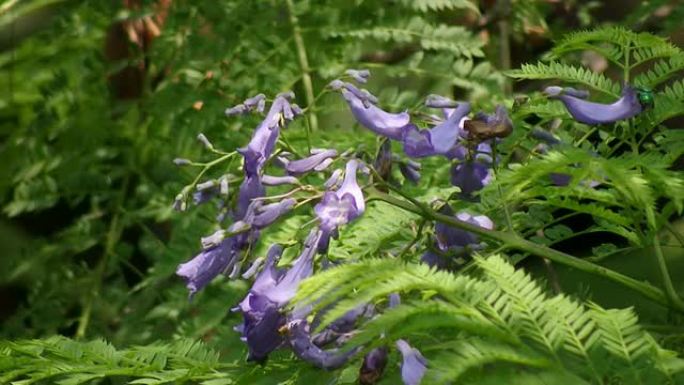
(413, 365)
(451, 243)
(439, 140)
(204, 267)
(340, 207)
(373, 366)
(299, 338)
(270, 180)
(250, 189)
(470, 176)
(257, 102)
(271, 291)
(266, 134)
(360, 76)
(363, 107)
(410, 170)
(597, 113)
(318, 161)
(264, 215)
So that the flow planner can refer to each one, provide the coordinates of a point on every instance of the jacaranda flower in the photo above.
(250, 189)
(451, 242)
(439, 140)
(596, 113)
(266, 134)
(264, 215)
(270, 180)
(204, 267)
(315, 162)
(413, 365)
(362, 105)
(340, 207)
(299, 338)
(373, 366)
(360, 76)
(271, 291)
(470, 176)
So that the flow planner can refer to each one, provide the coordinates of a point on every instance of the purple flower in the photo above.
(362, 105)
(439, 140)
(340, 207)
(271, 291)
(413, 365)
(596, 113)
(270, 180)
(313, 162)
(383, 160)
(439, 101)
(360, 76)
(454, 241)
(266, 134)
(264, 215)
(470, 176)
(300, 340)
(373, 366)
(409, 172)
(250, 189)
(200, 270)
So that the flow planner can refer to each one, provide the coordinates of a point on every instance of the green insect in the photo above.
(645, 96)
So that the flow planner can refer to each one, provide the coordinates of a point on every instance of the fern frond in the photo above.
(567, 73)
(502, 316)
(440, 5)
(440, 37)
(642, 46)
(381, 227)
(661, 71)
(65, 361)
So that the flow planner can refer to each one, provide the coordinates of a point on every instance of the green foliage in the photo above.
(498, 317)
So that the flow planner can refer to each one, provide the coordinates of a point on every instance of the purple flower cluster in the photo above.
(467, 142)
(249, 215)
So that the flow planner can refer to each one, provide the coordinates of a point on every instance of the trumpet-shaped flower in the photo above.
(587, 112)
(439, 140)
(363, 107)
(413, 365)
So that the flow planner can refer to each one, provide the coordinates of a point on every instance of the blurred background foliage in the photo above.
(98, 97)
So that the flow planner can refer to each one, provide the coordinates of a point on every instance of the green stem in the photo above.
(672, 295)
(303, 64)
(113, 235)
(519, 243)
(677, 234)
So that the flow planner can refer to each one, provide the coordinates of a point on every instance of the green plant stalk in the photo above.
(514, 241)
(667, 280)
(113, 235)
(303, 64)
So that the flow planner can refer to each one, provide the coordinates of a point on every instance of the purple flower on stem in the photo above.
(360, 76)
(413, 366)
(362, 105)
(340, 207)
(454, 241)
(597, 113)
(264, 215)
(470, 176)
(313, 162)
(300, 340)
(250, 189)
(266, 134)
(373, 366)
(200, 270)
(269, 180)
(439, 140)
(271, 291)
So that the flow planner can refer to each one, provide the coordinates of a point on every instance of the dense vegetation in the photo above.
(329, 192)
